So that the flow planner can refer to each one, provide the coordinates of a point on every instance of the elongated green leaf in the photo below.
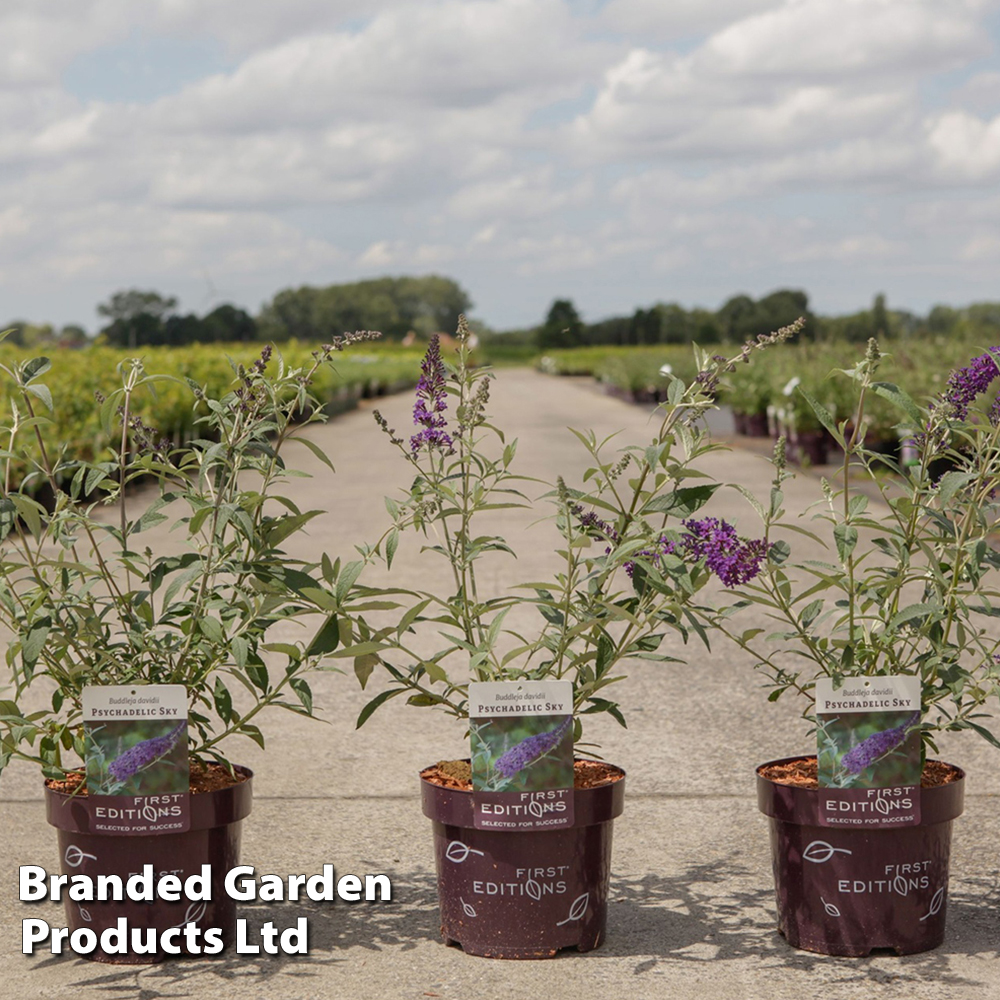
(223, 701)
(326, 639)
(317, 451)
(823, 415)
(846, 537)
(896, 396)
(304, 693)
(345, 581)
(912, 612)
(379, 699)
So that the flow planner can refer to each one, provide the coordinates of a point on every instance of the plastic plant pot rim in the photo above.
(453, 806)
(793, 804)
(220, 807)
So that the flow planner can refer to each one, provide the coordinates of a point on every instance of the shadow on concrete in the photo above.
(697, 916)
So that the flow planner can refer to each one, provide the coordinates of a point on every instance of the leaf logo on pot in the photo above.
(533, 889)
(195, 912)
(74, 856)
(577, 910)
(458, 852)
(469, 910)
(937, 901)
(85, 914)
(819, 851)
(830, 908)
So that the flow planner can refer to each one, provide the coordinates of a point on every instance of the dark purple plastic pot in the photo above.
(809, 448)
(846, 891)
(213, 839)
(523, 895)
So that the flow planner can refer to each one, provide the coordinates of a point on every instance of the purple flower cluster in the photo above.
(522, 754)
(432, 401)
(732, 559)
(589, 519)
(965, 384)
(875, 746)
(133, 760)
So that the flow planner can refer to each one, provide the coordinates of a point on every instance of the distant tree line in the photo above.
(431, 304)
(396, 306)
(742, 317)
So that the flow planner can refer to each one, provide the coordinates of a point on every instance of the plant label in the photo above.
(869, 751)
(522, 754)
(138, 776)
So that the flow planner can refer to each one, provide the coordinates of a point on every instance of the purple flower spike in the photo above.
(525, 753)
(732, 559)
(133, 760)
(432, 401)
(965, 384)
(875, 746)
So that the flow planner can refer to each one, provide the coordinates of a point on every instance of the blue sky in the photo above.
(617, 153)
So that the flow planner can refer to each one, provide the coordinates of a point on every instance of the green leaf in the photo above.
(34, 641)
(900, 399)
(912, 612)
(258, 675)
(363, 667)
(240, 649)
(211, 628)
(378, 700)
(952, 482)
(223, 701)
(30, 511)
(34, 367)
(360, 649)
(411, 616)
(280, 529)
(301, 688)
(345, 581)
(326, 639)
(754, 502)
(682, 502)
(823, 415)
(391, 544)
(317, 451)
(846, 537)
(434, 671)
(42, 392)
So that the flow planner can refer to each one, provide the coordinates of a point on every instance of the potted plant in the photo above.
(629, 557)
(906, 590)
(89, 604)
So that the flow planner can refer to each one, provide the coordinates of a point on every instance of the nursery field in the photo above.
(76, 379)
(921, 365)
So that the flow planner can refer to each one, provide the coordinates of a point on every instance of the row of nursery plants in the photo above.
(169, 412)
(886, 643)
(763, 397)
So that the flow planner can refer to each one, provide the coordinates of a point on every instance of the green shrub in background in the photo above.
(77, 376)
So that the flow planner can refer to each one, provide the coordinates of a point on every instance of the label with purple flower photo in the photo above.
(869, 751)
(522, 754)
(138, 776)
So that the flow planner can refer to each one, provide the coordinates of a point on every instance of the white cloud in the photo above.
(832, 39)
(967, 147)
(672, 19)
(349, 137)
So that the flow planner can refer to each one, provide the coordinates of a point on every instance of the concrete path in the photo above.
(692, 911)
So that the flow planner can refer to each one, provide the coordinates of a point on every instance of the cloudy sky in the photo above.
(617, 152)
